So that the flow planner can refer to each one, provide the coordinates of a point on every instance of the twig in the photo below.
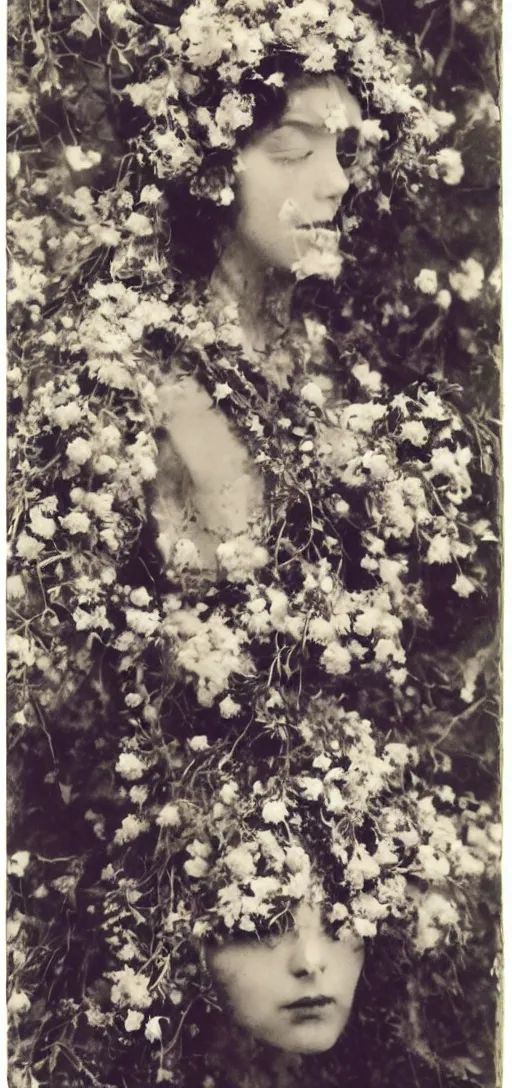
(458, 718)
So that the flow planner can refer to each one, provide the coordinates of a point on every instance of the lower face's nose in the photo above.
(336, 183)
(307, 957)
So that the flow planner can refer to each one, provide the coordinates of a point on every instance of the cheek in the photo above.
(244, 982)
(347, 967)
(262, 194)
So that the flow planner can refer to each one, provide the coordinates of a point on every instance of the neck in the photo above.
(247, 1063)
(263, 295)
(287, 1070)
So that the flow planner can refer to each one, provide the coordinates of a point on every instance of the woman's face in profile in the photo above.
(295, 161)
(295, 991)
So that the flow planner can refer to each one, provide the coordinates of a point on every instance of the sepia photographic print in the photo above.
(254, 568)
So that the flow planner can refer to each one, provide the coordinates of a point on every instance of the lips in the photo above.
(324, 225)
(310, 1003)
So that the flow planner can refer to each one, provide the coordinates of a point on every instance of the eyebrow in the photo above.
(318, 127)
(299, 122)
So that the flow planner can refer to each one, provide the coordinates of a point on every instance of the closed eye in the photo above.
(289, 144)
(293, 156)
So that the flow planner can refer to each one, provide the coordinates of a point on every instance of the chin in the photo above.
(311, 1047)
(315, 1042)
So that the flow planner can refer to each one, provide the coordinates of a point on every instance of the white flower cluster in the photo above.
(249, 845)
(208, 651)
(230, 39)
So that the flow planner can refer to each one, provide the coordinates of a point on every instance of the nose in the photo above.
(333, 181)
(308, 954)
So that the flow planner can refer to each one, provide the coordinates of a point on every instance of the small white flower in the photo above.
(362, 866)
(15, 587)
(322, 762)
(229, 793)
(468, 281)
(312, 788)
(384, 854)
(140, 597)
(444, 299)
(275, 80)
(169, 816)
(463, 586)
(76, 522)
(336, 119)
(133, 1020)
(18, 1002)
(318, 262)
(143, 623)
(229, 708)
(42, 526)
(139, 795)
(371, 131)
(369, 907)
(18, 862)
(153, 1031)
(226, 196)
(13, 165)
(130, 989)
(139, 225)
(131, 828)
(196, 867)
(312, 393)
(79, 160)
(321, 631)
(321, 55)
(334, 800)
(336, 659)
(199, 743)
(274, 812)
(79, 451)
(386, 648)
(66, 415)
(186, 555)
(130, 766)
(298, 861)
(450, 165)
(338, 912)
(27, 547)
(434, 866)
(398, 753)
(369, 379)
(221, 391)
(426, 281)
(241, 863)
(150, 195)
(110, 437)
(414, 431)
(364, 928)
(439, 549)
(199, 849)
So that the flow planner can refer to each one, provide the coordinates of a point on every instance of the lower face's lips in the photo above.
(317, 226)
(309, 1003)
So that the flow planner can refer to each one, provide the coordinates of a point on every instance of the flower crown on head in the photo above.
(201, 65)
(246, 839)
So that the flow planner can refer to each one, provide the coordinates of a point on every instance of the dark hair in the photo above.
(199, 223)
(388, 1040)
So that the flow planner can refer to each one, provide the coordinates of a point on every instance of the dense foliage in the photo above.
(174, 737)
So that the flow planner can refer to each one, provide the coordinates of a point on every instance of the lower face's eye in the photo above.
(294, 156)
